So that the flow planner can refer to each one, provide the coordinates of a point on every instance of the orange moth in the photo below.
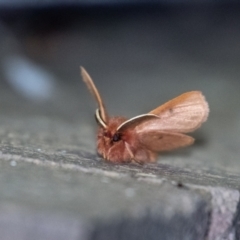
(139, 139)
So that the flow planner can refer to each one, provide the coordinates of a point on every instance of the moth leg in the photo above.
(152, 157)
(145, 156)
(138, 162)
(129, 151)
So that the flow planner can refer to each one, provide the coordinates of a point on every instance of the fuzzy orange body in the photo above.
(125, 148)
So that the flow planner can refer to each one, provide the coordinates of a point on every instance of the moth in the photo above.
(141, 138)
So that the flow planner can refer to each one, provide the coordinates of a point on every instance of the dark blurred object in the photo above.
(47, 3)
(46, 16)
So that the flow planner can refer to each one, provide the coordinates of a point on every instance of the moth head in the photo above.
(113, 138)
(108, 137)
(108, 131)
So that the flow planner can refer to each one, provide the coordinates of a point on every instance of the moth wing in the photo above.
(159, 141)
(155, 140)
(162, 128)
(183, 114)
(92, 88)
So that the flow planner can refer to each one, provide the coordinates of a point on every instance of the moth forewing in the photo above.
(92, 88)
(184, 113)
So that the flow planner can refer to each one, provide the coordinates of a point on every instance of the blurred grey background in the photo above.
(140, 54)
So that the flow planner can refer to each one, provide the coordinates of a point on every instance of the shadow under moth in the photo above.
(139, 139)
